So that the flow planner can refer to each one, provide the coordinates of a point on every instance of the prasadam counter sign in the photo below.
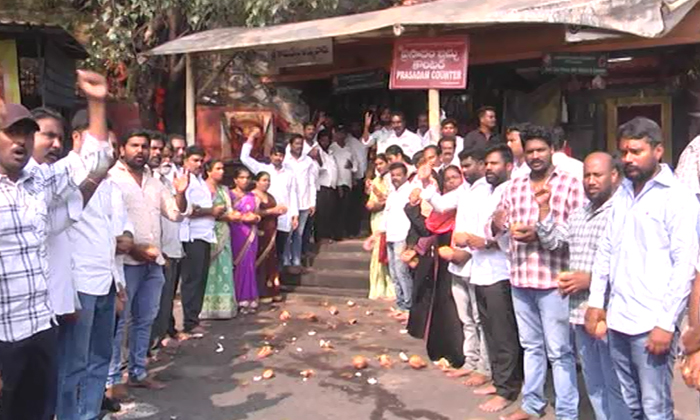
(437, 63)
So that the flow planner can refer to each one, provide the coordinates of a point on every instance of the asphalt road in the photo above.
(206, 384)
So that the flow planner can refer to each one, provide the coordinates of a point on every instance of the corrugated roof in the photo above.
(646, 18)
(28, 22)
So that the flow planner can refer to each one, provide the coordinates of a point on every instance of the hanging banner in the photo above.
(9, 72)
(307, 53)
(435, 63)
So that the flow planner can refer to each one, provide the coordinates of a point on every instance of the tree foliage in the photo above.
(118, 30)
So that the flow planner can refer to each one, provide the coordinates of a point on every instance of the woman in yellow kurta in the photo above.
(380, 284)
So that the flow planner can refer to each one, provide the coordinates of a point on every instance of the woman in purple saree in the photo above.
(244, 241)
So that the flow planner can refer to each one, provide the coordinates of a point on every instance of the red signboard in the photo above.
(436, 63)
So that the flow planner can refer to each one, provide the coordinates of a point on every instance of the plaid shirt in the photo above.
(581, 234)
(25, 223)
(688, 170)
(531, 265)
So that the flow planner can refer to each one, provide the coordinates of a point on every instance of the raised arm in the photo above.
(367, 138)
(247, 147)
(175, 208)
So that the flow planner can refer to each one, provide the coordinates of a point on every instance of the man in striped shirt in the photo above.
(542, 313)
(581, 235)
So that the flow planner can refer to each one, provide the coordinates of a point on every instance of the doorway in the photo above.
(656, 108)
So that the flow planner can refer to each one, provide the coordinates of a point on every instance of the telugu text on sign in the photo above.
(439, 63)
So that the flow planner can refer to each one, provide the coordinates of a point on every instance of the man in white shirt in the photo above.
(358, 212)
(643, 271)
(305, 171)
(48, 148)
(378, 138)
(476, 364)
(490, 273)
(447, 153)
(146, 199)
(520, 167)
(98, 276)
(410, 142)
(327, 200)
(448, 130)
(347, 166)
(395, 224)
(163, 332)
(283, 186)
(560, 158)
(423, 129)
(178, 145)
(197, 236)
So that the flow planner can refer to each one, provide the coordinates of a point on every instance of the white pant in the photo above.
(475, 355)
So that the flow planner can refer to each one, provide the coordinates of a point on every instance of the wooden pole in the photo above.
(434, 113)
(189, 101)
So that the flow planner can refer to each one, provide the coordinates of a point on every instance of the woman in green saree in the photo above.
(220, 295)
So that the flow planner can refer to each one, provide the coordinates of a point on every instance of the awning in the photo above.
(644, 18)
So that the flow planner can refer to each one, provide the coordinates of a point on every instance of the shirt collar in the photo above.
(591, 212)
(664, 178)
(27, 175)
(478, 182)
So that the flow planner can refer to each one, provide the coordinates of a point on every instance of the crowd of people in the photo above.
(504, 254)
(508, 256)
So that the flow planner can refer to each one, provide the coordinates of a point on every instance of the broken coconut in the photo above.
(351, 304)
(403, 356)
(333, 310)
(359, 362)
(264, 352)
(325, 344)
(352, 321)
(309, 317)
(285, 316)
(384, 361)
(307, 373)
(268, 374)
(416, 362)
(443, 364)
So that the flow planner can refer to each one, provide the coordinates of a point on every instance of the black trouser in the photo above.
(195, 267)
(29, 371)
(326, 213)
(495, 306)
(344, 213)
(358, 212)
(280, 245)
(165, 321)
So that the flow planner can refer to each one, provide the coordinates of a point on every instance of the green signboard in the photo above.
(376, 79)
(570, 63)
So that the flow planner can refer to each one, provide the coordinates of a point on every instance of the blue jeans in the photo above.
(400, 275)
(144, 284)
(544, 331)
(292, 254)
(645, 378)
(85, 349)
(604, 390)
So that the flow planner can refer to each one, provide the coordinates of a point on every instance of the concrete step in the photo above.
(342, 261)
(350, 245)
(330, 278)
(325, 291)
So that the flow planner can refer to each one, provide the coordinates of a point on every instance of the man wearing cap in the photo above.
(29, 198)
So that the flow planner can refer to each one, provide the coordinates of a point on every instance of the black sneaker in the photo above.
(110, 405)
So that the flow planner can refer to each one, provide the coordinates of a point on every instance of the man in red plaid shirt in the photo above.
(542, 313)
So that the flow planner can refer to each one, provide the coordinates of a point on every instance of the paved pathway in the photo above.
(206, 384)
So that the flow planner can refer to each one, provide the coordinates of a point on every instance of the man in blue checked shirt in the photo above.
(29, 198)
(645, 265)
